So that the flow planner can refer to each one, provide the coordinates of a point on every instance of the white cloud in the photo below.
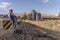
(45, 1)
(4, 5)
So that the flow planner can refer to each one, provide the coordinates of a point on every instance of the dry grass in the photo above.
(31, 30)
(49, 24)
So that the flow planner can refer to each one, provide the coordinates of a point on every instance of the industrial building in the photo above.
(38, 16)
(35, 15)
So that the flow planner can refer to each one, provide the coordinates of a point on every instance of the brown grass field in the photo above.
(49, 24)
(33, 30)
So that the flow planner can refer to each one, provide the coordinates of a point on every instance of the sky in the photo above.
(20, 6)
